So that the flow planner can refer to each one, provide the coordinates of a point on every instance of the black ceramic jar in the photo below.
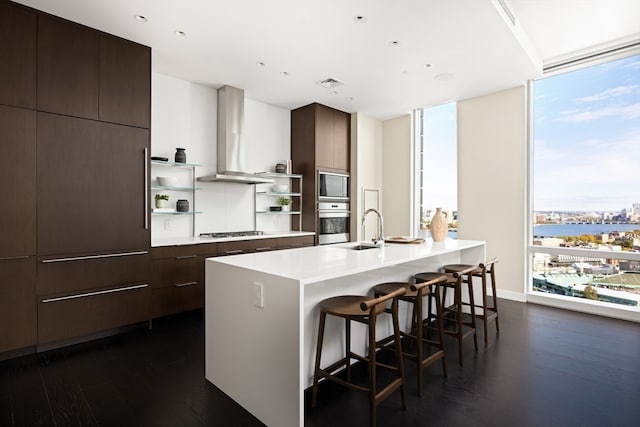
(181, 156)
(182, 205)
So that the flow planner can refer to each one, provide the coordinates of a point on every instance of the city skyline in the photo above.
(587, 138)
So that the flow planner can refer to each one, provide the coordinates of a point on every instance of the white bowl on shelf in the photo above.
(280, 188)
(166, 181)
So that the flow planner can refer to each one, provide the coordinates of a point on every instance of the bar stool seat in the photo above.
(462, 328)
(364, 310)
(483, 311)
(415, 294)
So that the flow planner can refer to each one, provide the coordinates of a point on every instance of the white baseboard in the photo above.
(510, 295)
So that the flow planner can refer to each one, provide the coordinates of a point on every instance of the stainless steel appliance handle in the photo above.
(186, 256)
(146, 188)
(333, 214)
(80, 258)
(90, 294)
(9, 258)
(235, 252)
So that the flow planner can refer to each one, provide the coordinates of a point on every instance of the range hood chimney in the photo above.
(231, 149)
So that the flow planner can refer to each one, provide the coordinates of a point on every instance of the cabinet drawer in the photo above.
(176, 299)
(295, 242)
(71, 274)
(209, 249)
(176, 271)
(66, 316)
(246, 246)
(17, 303)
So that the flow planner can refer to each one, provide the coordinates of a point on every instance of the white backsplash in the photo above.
(184, 115)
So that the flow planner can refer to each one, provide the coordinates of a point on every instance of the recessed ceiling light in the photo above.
(394, 43)
(140, 18)
(359, 19)
(427, 65)
(180, 33)
(284, 73)
(349, 98)
(405, 72)
(261, 64)
(443, 76)
(334, 92)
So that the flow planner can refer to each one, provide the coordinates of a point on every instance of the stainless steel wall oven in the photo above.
(333, 222)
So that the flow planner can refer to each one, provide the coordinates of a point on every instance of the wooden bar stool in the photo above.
(415, 294)
(484, 311)
(454, 313)
(364, 310)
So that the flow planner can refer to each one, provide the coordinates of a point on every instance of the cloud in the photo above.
(631, 111)
(610, 93)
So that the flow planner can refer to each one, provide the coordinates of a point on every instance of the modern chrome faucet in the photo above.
(380, 238)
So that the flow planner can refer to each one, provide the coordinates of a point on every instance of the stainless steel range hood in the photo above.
(231, 149)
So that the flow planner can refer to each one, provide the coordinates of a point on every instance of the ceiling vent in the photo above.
(330, 83)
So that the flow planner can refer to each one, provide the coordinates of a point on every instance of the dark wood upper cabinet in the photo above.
(125, 82)
(68, 68)
(17, 56)
(91, 186)
(18, 175)
(320, 135)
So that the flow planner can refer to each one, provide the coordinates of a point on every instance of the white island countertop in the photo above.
(261, 314)
(318, 263)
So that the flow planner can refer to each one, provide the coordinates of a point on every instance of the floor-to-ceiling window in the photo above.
(585, 175)
(436, 168)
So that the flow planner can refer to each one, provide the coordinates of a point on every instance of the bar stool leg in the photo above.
(458, 303)
(398, 345)
(419, 343)
(372, 371)
(485, 311)
(472, 304)
(314, 393)
(440, 319)
(347, 346)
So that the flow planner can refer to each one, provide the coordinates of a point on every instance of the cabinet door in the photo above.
(341, 146)
(68, 68)
(125, 82)
(18, 175)
(91, 186)
(324, 137)
(17, 56)
(17, 303)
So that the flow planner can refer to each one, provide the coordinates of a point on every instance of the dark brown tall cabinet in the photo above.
(74, 137)
(18, 215)
(320, 140)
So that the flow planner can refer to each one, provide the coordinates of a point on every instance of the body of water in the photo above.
(553, 230)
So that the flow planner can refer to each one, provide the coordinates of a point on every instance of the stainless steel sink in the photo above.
(363, 246)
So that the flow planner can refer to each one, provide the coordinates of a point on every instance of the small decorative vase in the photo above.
(286, 208)
(161, 203)
(181, 156)
(182, 205)
(438, 226)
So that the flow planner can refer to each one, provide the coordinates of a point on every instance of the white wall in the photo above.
(397, 173)
(366, 173)
(492, 181)
(184, 114)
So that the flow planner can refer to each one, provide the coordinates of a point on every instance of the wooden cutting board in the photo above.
(403, 239)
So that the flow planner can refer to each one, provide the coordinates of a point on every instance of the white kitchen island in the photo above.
(262, 357)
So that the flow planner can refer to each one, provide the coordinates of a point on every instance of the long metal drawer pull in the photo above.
(186, 256)
(237, 251)
(80, 258)
(182, 285)
(90, 294)
(263, 249)
(8, 258)
(146, 188)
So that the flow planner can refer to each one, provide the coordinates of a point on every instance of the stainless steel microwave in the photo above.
(333, 186)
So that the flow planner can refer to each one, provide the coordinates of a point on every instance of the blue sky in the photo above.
(440, 168)
(587, 138)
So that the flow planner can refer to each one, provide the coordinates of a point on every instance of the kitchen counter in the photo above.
(261, 315)
(180, 241)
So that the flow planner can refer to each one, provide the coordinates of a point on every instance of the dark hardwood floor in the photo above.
(547, 367)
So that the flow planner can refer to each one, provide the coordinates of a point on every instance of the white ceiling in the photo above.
(315, 39)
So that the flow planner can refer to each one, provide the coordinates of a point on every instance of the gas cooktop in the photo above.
(232, 234)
